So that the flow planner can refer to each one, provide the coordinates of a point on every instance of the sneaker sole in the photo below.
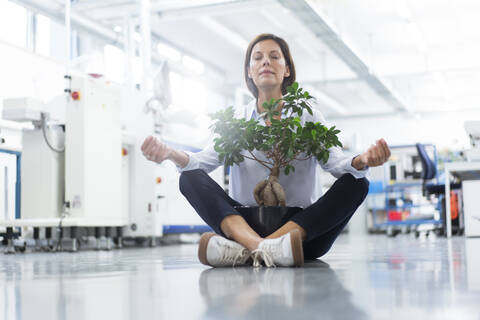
(202, 247)
(297, 248)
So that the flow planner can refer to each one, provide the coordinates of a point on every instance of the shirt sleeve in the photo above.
(338, 163)
(207, 160)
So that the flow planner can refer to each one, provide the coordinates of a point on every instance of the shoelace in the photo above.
(238, 255)
(262, 254)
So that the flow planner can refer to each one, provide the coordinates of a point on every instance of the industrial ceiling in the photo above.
(360, 58)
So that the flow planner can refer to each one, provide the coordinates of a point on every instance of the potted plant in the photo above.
(282, 140)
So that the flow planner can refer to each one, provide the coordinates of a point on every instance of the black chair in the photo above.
(429, 172)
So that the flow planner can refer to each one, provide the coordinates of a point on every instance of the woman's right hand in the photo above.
(155, 150)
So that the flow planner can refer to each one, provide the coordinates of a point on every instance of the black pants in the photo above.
(323, 220)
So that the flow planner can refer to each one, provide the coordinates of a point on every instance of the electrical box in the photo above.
(93, 152)
(8, 181)
(42, 188)
(176, 210)
(471, 207)
(144, 218)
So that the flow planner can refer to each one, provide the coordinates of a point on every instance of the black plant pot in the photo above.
(266, 220)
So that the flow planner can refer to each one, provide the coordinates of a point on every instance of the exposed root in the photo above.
(269, 192)
(269, 197)
(279, 193)
(258, 192)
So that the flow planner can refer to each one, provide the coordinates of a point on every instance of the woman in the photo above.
(269, 70)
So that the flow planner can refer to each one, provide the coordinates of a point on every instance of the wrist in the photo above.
(358, 164)
(170, 155)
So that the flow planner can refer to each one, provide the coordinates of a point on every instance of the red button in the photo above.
(76, 95)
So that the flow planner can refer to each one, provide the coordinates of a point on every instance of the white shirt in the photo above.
(302, 188)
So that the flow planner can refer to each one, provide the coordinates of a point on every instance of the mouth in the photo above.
(265, 72)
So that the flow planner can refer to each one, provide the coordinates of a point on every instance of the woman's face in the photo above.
(267, 67)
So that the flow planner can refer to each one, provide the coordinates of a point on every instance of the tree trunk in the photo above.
(270, 192)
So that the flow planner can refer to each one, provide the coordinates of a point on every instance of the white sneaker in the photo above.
(285, 251)
(216, 251)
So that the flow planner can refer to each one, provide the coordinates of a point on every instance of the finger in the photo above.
(381, 152)
(371, 156)
(387, 149)
(384, 147)
(375, 156)
(149, 146)
(153, 151)
(153, 144)
(148, 153)
(146, 143)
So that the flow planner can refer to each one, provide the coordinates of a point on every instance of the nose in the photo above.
(266, 61)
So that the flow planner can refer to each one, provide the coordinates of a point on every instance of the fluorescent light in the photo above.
(169, 52)
(405, 14)
(229, 35)
(402, 10)
(193, 64)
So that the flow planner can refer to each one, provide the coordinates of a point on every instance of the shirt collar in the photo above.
(252, 110)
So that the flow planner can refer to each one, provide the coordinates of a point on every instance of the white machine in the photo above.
(86, 172)
(471, 207)
(85, 168)
(139, 174)
(93, 153)
(72, 168)
(177, 214)
(43, 182)
(471, 188)
(473, 130)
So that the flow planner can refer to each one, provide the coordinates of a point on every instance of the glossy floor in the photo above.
(371, 277)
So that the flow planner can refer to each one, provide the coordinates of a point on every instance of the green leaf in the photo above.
(309, 110)
(284, 138)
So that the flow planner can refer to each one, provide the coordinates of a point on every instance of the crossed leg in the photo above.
(217, 209)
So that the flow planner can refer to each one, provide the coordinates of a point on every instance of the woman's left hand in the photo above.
(375, 156)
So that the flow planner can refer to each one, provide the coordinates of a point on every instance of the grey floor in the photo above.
(371, 277)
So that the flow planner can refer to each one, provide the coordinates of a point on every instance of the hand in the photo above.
(375, 156)
(155, 150)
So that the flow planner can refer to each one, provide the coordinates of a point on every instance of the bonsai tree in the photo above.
(283, 139)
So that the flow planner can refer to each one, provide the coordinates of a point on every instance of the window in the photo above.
(13, 23)
(114, 63)
(42, 35)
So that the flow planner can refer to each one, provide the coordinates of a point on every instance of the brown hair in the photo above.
(286, 54)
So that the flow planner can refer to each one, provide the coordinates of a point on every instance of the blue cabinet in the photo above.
(395, 201)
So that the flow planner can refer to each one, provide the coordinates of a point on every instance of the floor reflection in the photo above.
(301, 293)
(373, 278)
